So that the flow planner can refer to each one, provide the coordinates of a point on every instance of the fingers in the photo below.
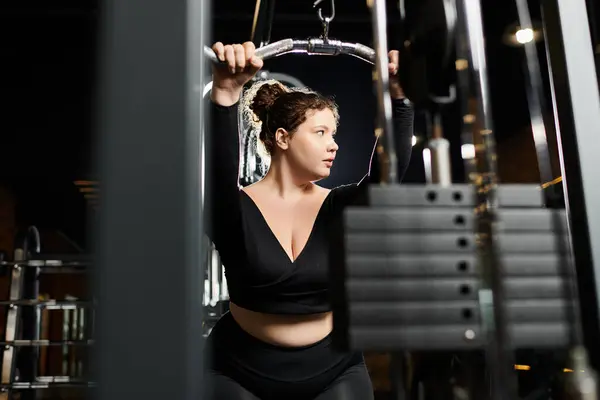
(394, 56)
(253, 63)
(219, 50)
(394, 59)
(238, 57)
(249, 50)
(230, 58)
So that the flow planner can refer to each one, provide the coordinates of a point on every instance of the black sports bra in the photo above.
(260, 275)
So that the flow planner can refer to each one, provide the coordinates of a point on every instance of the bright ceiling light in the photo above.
(524, 35)
(517, 36)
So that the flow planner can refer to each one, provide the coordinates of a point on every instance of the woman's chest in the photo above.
(286, 250)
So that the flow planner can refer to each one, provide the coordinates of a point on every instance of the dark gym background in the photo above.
(48, 85)
(48, 77)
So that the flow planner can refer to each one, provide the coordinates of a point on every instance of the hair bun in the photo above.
(264, 98)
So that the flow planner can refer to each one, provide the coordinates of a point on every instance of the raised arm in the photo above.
(222, 208)
(403, 118)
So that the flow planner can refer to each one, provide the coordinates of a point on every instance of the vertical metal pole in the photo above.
(12, 324)
(472, 73)
(198, 25)
(576, 103)
(28, 357)
(149, 231)
(535, 98)
(384, 125)
(262, 23)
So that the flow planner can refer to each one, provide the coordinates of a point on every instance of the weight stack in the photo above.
(405, 273)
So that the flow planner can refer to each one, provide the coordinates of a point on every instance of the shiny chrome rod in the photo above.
(313, 47)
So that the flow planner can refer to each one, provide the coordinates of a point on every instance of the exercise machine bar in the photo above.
(313, 47)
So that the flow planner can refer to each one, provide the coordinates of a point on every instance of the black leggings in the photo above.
(354, 384)
(245, 368)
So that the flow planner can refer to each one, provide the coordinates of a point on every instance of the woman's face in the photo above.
(311, 149)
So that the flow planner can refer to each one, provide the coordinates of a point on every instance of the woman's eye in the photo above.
(320, 133)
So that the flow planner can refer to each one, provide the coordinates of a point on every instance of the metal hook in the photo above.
(325, 20)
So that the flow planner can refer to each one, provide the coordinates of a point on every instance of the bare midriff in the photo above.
(283, 330)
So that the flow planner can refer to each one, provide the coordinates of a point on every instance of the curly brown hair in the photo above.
(270, 105)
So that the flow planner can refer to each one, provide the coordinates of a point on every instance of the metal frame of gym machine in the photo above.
(576, 106)
(397, 286)
(149, 271)
(150, 221)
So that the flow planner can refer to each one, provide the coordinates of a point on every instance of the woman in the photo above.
(275, 342)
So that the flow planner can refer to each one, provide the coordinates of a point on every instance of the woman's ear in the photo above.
(282, 139)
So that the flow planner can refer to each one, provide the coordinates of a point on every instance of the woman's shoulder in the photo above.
(251, 189)
(321, 191)
(345, 190)
(349, 194)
